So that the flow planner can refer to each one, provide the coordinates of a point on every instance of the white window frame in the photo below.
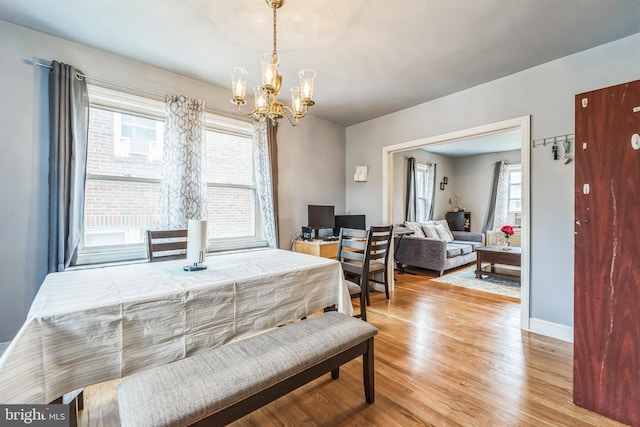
(116, 101)
(421, 199)
(244, 129)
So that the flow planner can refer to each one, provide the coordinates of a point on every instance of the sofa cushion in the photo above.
(415, 227)
(442, 232)
(446, 227)
(453, 251)
(466, 249)
(474, 245)
(429, 230)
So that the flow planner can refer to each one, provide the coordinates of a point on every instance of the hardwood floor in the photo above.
(445, 356)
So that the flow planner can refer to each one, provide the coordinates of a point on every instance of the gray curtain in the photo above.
(493, 197)
(183, 186)
(266, 173)
(272, 141)
(411, 196)
(68, 124)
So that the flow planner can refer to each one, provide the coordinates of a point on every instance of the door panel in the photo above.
(607, 259)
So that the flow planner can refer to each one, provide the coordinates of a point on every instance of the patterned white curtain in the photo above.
(264, 181)
(430, 190)
(183, 193)
(502, 197)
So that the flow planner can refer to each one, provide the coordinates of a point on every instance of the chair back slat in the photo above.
(380, 242)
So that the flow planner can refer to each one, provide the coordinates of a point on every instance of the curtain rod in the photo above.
(133, 89)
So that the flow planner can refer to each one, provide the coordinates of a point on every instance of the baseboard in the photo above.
(549, 329)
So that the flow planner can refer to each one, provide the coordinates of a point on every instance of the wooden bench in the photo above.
(229, 382)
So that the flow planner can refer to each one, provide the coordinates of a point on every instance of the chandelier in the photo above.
(266, 96)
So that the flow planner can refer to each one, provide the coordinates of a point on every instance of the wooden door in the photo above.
(606, 364)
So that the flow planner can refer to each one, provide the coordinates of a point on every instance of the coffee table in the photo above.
(497, 255)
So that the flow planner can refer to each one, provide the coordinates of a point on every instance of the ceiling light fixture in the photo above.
(266, 96)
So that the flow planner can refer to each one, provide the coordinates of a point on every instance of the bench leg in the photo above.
(335, 374)
(367, 373)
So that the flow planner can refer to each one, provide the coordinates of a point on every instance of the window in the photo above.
(124, 167)
(424, 191)
(515, 195)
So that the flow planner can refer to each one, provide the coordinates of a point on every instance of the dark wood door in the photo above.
(606, 365)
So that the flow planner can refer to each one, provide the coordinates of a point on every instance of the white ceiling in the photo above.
(372, 57)
(485, 144)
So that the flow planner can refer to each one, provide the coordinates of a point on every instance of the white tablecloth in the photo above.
(89, 326)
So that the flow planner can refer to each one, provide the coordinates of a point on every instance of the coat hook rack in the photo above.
(560, 139)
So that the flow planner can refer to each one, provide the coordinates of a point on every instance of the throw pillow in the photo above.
(442, 232)
(445, 224)
(430, 231)
(415, 227)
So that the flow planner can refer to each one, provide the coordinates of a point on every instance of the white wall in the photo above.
(311, 156)
(547, 94)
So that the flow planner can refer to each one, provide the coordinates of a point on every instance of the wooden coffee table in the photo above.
(497, 255)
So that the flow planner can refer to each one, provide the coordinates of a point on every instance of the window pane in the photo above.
(515, 192)
(229, 159)
(119, 212)
(515, 205)
(516, 177)
(111, 153)
(420, 178)
(231, 212)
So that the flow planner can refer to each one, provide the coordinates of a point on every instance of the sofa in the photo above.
(435, 247)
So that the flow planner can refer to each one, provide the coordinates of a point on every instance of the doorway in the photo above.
(523, 125)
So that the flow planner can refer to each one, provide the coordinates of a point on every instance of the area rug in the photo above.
(467, 279)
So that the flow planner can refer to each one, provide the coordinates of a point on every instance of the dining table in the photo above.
(91, 325)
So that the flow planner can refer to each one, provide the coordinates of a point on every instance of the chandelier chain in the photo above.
(275, 53)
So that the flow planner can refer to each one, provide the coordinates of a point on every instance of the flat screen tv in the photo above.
(349, 221)
(320, 217)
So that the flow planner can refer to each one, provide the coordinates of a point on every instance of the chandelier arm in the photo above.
(292, 113)
(246, 114)
(292, 121)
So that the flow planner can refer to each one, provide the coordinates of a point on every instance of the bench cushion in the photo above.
(208, 382)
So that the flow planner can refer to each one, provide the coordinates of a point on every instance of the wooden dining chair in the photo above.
(353, 253)
(379, 258)
(165, 245)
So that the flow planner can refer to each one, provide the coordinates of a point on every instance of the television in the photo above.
(349, 221)
(320, 217)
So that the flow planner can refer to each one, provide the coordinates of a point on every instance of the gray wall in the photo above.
(472, 180)
(547, 94)
(311, 156)
(444, 168)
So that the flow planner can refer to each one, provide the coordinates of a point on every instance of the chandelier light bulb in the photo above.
(306, 84)
(269, 70)
(296, 101)
(261, 97)
(239, 84)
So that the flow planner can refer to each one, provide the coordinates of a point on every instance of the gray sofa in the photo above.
(437, 254)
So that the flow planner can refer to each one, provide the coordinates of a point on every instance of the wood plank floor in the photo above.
(445, 356)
